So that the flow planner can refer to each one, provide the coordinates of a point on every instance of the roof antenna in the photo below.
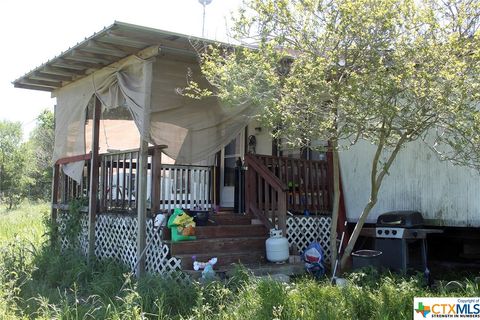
(204, 3)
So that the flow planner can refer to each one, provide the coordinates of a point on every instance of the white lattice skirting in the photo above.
(301, 231)
(116, 239)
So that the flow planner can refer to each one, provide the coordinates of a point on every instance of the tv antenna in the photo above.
(204, 3)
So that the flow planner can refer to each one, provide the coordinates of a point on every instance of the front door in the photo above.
(230, 154)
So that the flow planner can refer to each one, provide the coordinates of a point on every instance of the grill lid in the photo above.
(400, 219)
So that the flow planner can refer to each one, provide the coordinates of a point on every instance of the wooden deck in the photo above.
(273, 186)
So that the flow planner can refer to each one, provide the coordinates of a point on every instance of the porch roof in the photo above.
(103, 48)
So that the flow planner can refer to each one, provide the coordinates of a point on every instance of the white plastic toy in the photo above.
(208, 272)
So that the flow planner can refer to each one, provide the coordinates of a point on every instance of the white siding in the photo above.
(264, 139)
(445, 194)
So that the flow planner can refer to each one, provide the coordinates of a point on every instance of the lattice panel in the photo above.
(301, 231)
(62, 218)
(83, 236)
(115, 238)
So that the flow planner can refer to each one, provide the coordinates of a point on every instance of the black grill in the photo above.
(397, 234)
(400, 219)
(401, 238)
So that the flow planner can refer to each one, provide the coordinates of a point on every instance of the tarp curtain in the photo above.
(192, 129)
(119, 86)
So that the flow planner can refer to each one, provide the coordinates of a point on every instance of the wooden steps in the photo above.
(231, 238)
(231, 219)
(218, 245)
(230, 231)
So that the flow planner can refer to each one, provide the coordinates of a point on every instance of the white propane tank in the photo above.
(277, 246)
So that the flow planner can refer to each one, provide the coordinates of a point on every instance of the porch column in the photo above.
(94, 170)
(142, 168)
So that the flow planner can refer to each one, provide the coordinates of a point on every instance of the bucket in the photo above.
(366, 258)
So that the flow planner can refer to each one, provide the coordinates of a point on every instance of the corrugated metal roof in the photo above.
(103, 48)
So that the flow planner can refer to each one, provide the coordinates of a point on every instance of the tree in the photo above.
(41, 143)
(14, 165)
(387, 71)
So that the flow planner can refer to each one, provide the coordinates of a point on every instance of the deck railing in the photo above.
(277, 184)
(307, 182)
(67, 188)
(168, 185)
(185, 186)
(119, 180)
(265, 194)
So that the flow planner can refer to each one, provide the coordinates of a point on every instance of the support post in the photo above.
(156, 176)
(94, 170)
(54, 211)
(142, 166)
(282, 213)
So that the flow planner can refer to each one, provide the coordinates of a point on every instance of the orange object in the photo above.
(188, 231)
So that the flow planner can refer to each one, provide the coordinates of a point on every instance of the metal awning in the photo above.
(100, 50)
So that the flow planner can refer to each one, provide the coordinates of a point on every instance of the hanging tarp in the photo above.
(127, 84)
(192, 129)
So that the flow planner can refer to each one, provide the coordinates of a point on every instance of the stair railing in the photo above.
(266, 195)
(309, 188)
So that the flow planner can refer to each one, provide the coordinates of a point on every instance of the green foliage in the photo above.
(41, 144)
(73, 225)
(23, 222)
(25, 167)
(14, 164)
(388, 72)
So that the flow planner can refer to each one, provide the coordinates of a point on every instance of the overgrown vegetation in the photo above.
(25, 166)
(37, 282)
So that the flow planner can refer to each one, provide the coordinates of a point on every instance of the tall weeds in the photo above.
(37, 281)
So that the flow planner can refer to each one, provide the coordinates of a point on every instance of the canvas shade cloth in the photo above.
(192, 129)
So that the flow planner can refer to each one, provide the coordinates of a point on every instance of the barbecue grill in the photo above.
(396, 233)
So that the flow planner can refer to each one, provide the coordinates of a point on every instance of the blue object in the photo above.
(313, 258)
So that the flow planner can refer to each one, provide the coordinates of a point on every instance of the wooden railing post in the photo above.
(282, 213)
(248, 186)
(156, 176)
(94, 169)
(54, 211)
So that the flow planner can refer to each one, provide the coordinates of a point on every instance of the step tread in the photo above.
(217, 240)
(232, 226)
(210, 245)
(230, 231)
(230, 219)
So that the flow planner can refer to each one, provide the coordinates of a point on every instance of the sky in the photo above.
(33, 31)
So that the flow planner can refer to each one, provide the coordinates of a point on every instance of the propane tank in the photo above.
(277, 246)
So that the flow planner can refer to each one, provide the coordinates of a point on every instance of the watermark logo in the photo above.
(423, 310)
(451, 308)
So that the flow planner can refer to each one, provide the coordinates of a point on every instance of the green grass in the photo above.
(25, 222)
(37, 282)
